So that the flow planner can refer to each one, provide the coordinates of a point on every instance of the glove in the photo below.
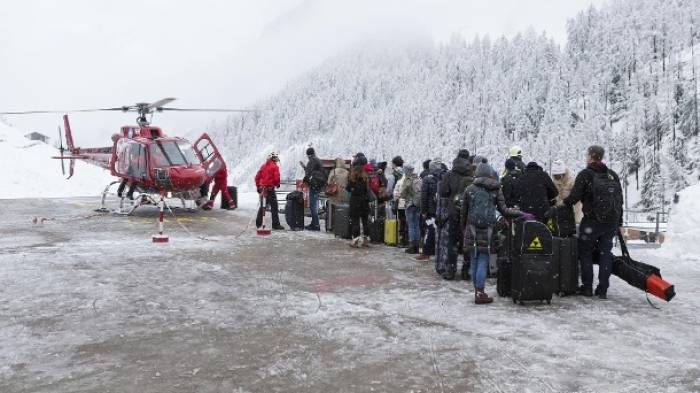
(528, 216)
(260, 189)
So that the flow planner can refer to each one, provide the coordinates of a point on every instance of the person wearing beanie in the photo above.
(411, 194)
(563, 179)
(598, 188)
(463, 153)
(428, 206)
(535, 192)
(315, 178)
(508, 178)
(479, 220)
(450, 190)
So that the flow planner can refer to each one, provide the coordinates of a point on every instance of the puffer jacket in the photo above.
(359, 198)
(314, 173)
(429, 190)
(455, 182)
(268, 175)
(534, 190)
(339, 175)
(564, 185)
(481, 239)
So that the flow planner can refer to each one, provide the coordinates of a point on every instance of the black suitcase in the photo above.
(561, 221)
(294, 211)
(330, 216)
(503, 275)
(565, 264)
(376, 223)
(341, 227)
(531, 263)
(234, 197)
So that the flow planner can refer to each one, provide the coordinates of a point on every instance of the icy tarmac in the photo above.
(89, 304)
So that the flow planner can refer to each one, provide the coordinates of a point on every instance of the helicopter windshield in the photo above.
(168, 153)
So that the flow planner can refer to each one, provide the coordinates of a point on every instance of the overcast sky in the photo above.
(65, 54)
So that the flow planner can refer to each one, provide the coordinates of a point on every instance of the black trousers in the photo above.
(355, 222)
(271, 201)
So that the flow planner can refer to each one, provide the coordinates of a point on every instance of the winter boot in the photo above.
(365, 242)
(585, 291)
(422, 258)
(277, 227)
(600, 293)
(449, 276)
(480, 297)
(413, 248)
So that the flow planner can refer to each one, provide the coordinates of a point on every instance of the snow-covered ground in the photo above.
(88, 303)
(29, 172)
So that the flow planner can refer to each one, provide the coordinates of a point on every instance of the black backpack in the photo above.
(482, 208)
(607, 198)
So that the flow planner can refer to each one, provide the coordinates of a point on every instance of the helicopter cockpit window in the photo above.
(168, 153)
(188, 152)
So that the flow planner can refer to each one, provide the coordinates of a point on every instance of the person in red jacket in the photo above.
(266, 180)
(220, 184)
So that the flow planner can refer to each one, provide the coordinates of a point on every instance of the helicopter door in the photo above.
(209, 155)
(131, 159)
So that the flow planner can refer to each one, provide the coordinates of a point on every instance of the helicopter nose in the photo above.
(186, 178)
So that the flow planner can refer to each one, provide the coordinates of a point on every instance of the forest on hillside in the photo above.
(626, 79)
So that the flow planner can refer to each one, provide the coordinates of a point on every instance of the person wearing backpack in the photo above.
(510, 175)
(452, 187)
(410, 193)
(480, 202)
(315, 178)
(428, 207)
(598, 188)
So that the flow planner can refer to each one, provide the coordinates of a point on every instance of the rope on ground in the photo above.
(185, 228)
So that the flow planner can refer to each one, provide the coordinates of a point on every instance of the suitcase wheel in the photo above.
(549, 301)
(515, 301)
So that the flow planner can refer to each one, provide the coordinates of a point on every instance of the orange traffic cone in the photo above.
(660, 288)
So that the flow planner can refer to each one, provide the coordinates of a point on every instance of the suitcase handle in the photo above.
(623, 244)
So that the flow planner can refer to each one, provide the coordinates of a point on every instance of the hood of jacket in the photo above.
(598, 167)
(533, 166)
(462, 167)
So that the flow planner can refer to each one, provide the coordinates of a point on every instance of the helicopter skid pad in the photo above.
(161, 238)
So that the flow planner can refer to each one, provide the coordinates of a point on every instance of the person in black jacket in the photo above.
(429, 190)
(599, 189)
(315, 178)
(511, 174)
(535, 191)
(452, 186)
(358, 187)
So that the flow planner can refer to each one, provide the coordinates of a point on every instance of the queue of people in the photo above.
(446, 212)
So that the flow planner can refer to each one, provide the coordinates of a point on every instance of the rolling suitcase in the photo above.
(561, 221)
(341, 226)
(391, 232)
(565, 265)
(234, 197)
(294, 211)
(531, 263)
(330, 216)
(503, 275)
(376, 224)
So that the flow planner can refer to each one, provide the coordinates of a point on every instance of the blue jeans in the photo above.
(479, 265)
(313, 206)
(596, 236)
(413, 222)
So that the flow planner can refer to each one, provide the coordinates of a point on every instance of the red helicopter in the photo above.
(146, 160)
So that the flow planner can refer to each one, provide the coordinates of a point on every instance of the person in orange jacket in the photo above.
(266, 180)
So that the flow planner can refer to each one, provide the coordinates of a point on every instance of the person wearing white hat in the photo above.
(564, 181)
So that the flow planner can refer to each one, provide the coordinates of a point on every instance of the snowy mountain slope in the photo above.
(29, 171)
(624, 80)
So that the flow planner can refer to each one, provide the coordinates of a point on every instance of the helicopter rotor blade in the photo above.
(158, 104)
(207, 110)
(66, 111)
(60, 138)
